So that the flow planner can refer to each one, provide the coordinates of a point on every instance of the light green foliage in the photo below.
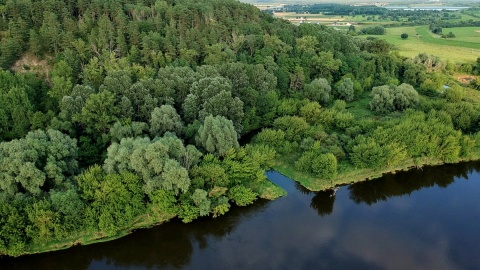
(343, 119)
(270, 137)
(464, 115)
(324, 166)
(99, 113)
(414, 135)
(311, 112)
(312, 161)
(241, 195)
(390, 98)
(382, 99)
(288, 106)
(62, 84)
(165, 119)
(368, 154)
(199, 198)
(220, 207)
(174, 177)
(43, 221)
(162, 202)
(405, 97)
(318, 90)
(187, 211)
(210, 175)
(324, 64)
(158, 162)
(217, 135)
(116, 203)
(293, 126)
(455, 93)
(344, 90)
(41, 158)
(261, 154)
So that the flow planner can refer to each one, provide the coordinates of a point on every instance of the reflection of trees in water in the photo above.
(168, 245)
(402, 183)
(302, 189)
(323, 202)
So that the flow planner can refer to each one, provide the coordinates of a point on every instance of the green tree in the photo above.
(318, 90)
(99, 113)
(217, 135)
(40, 161)
(165, 119)
(242, 196)
(344, 90)
(404, 36)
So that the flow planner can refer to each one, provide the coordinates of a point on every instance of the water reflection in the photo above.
(358, 228)
(323, 202)
(404, 183)
(169, 245)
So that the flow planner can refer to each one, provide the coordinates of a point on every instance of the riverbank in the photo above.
(350, 175)
(266, 190)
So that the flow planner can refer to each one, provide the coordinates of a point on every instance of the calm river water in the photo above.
(424, 219)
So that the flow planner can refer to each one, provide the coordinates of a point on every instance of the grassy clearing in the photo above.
(268, 190)
(361, 107)
(460, 49)
(459, 41)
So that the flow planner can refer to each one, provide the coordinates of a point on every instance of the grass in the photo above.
(361, 108)
(464, 48)
(268, 190)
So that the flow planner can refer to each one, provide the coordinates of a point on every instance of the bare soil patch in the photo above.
(31, 63)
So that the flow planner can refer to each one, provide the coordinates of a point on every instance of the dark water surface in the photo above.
(425, 219)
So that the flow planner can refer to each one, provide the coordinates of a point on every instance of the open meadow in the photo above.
(465, 47)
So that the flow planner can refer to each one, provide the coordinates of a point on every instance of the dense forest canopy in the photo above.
(134, 113)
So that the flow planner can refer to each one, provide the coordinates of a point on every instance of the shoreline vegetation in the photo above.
(267, 191)
(122, 115)
(347, 178)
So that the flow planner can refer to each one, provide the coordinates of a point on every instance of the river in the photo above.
(421, 219)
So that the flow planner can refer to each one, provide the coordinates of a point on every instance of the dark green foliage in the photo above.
(13, 240)
(404, 36)
(373, 30)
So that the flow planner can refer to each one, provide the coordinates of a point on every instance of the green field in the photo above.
(465, 47)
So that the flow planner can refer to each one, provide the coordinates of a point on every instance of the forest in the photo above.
(117, 115)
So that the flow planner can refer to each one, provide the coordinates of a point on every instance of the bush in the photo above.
(241, 195)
